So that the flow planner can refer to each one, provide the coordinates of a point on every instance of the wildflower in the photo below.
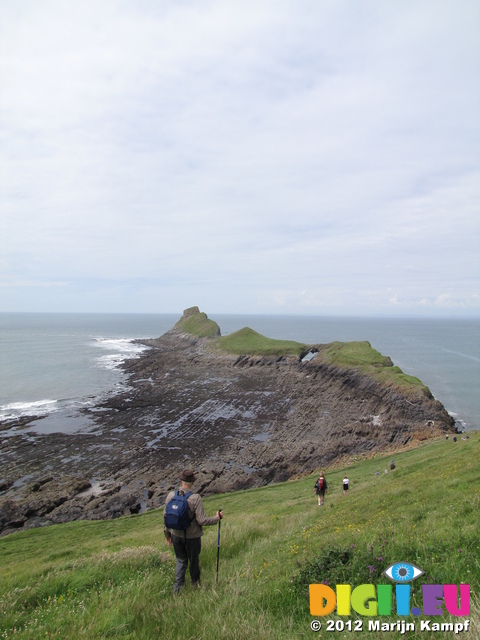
(380, 559)
(371, 568)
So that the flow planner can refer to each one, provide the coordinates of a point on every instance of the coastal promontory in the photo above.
(243, 409)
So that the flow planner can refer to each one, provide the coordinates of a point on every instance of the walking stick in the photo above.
(218, 544)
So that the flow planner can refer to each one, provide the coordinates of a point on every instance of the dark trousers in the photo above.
(187, 552)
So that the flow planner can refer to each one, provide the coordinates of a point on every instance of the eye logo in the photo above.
(403, 572)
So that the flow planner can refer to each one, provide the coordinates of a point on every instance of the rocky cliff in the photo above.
(240, 419)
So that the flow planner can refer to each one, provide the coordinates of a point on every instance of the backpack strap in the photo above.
(186, 496)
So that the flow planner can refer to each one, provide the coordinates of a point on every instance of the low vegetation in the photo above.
(361, 357)
(113, 579)
(197, 324)
(246, 341)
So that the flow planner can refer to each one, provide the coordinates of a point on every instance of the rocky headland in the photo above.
(243, 410)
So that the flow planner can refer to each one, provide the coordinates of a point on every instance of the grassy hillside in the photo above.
(364, 358)
(197, 324)
(246, 341)
(113, 579)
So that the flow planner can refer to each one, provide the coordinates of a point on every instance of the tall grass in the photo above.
(114, 579)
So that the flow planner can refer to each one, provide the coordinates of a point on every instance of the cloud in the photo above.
(249, 156)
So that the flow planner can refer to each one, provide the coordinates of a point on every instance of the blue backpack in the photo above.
(176, 512)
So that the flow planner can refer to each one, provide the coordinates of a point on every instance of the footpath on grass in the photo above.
(113, 579)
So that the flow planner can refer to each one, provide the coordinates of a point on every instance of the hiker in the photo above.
(345, 485)
(392, 465)
(186, 541)
(320, 488)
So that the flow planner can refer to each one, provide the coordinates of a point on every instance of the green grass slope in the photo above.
(362, 357)
(113, 579)
(246, 341)
(197, 324)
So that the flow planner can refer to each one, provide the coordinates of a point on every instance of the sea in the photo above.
(53, 365)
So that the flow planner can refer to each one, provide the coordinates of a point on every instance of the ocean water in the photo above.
(52, 365)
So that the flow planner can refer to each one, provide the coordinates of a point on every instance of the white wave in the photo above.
(111, 361)
(121, 348)
(36, 408)
(119, 344)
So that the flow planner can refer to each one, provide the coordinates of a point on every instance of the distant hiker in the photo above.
(320, 488)
(345, 485)
(183, 528)
(454, 438)
(392, 465)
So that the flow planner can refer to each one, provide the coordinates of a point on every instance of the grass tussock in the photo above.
(114, 579)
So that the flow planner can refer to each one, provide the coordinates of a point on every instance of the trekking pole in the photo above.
(218, 544)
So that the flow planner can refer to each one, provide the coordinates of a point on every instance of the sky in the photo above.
(251, 156)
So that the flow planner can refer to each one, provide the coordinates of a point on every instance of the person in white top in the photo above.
(345, 485)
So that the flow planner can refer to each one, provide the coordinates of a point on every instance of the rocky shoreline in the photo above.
(240, 421)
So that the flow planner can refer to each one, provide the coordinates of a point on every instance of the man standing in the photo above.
(187, 543)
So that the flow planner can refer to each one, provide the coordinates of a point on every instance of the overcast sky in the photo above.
(258, 156)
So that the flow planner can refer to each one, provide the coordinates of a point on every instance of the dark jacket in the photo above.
(319, 490)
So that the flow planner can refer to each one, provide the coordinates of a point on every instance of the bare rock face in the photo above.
(240, 421)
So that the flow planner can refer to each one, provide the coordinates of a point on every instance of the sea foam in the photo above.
(123, 348)
(36, 408)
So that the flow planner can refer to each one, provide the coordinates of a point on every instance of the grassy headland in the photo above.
(362, 357)
(197, 324)
(113, 579)
(358, 356)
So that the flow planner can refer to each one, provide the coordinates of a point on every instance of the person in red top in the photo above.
(187, 544)
(320, 488)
